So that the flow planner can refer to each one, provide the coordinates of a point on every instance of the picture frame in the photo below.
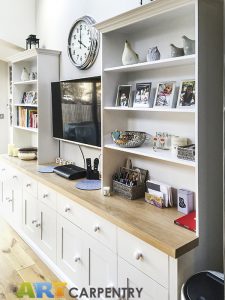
(165, 94)
(186, 97)
(142, 95)
(29, 97)
(123, 97)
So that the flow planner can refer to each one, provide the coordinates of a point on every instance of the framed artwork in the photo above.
(164, 94)
(142, 95)
(29, 97)
(186, 96)
(124, 95)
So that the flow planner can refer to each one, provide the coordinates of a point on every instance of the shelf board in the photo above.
(150, 109)
(158, 64)
(25, 82)
(147, 151)
(25, 105)
(27, 129)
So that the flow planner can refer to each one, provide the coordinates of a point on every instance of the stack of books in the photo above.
(27, 117)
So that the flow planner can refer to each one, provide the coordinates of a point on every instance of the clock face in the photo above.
(83, 43)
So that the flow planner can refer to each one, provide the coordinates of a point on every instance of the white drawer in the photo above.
(70, 210)
(129, 275)
(144, 257)
(30, 186)
(47, 195)
(100, 229)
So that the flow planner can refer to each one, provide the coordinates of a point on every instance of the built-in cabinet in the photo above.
(31, 100)
(86, 248)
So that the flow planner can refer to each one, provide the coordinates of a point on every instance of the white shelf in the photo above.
(147, 151)
(27, 129)
(159, 64)
(150, 109)
(25, 105)
(25, 82)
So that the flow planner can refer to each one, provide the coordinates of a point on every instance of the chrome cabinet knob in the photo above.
(8, 199)
(96, 228)
(38, 225)
(28, 185)
(77, 259)
(139, 256)
(34, 221)
(45, 196)
(67, 209)
(15, 177)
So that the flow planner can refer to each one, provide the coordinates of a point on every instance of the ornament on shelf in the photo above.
(175, 51)
(32, 42)
(153, 54)
(189, 45)
(25, 75)
(129, 56)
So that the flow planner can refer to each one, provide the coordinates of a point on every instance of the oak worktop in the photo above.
(152, 225)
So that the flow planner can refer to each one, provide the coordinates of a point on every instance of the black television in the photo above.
(76, 110)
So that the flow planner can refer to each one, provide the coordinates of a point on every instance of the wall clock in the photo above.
(83, 43)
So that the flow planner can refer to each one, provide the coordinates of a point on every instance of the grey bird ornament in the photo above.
(129, 57)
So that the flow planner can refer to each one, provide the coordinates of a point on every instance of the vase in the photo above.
(175, 51)
(189, 45)
(24, 75)
(153, 54)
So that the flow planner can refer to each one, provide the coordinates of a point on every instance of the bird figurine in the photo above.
(175, 51)
(129, 57)
(189, 45)
(153, 54)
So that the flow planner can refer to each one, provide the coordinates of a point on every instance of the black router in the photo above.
(70, 172)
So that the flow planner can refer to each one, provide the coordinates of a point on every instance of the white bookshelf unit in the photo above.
(26, 131)
(160, 23)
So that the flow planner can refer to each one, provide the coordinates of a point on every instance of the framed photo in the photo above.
(186, 96)
(124, 95)
(29, 97)
(142, 95)
(164, 94)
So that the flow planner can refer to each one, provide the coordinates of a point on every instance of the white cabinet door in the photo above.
(102, 265)
(47, 230)
(72, 252)
(30, 216)
(129, 276)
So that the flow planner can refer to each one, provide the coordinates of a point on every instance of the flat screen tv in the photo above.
(76, 110)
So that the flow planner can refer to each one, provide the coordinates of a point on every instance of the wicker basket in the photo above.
(129, 192)
(186, 152)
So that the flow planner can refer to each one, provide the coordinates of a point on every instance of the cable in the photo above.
(82, 154)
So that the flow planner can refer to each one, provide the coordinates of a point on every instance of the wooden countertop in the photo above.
(153, 225)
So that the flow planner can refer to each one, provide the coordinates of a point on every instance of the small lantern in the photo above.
(32, 42)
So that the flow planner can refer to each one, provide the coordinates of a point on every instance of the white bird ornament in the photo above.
(129, 57)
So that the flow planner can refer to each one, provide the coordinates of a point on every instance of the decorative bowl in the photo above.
(128, 139)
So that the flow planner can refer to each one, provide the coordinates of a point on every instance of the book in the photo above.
(188, 221)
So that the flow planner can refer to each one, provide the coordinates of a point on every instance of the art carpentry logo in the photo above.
(54, 290)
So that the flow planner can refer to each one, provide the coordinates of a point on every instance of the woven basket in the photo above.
(129, 192)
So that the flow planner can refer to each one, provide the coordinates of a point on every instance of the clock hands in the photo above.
(80, 37)
(80, 42)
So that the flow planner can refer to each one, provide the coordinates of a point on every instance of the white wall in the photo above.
(3, 106)
(17, 20)
(54, 20)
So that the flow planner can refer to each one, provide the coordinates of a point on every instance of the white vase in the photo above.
(24, 75)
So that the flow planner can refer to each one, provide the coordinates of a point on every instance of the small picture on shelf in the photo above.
(29, 97)
(186, 96)
(142, 95)
(124, 95)
(164, 94)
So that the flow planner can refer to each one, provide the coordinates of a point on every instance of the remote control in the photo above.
(96, 163)
(88, 162)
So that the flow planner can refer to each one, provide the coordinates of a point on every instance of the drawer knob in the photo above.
(45, 196)
(15, 177)
(77, 259)
(3, 170)
(67, 209)
(9, 199)
(139, 256)
(34, 221)
(28, 185)
(38, 225)
(96, 228)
